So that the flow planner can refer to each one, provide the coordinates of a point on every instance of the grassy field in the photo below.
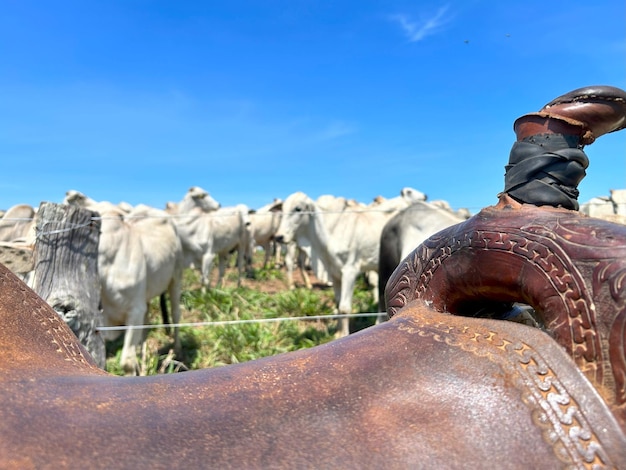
(263, 296)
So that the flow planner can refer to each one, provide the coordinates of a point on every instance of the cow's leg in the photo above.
(302, 265)
(207, 265)
(348, 280)
(221, 268)
(266, 254)
(174, 291)
(373, 281)
(320, 270)
(133, 338)
(241, 263)
(109, 335)
(277, 251)
(290, 257)
(336, 283)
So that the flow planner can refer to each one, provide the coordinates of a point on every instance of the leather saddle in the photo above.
(434, 387)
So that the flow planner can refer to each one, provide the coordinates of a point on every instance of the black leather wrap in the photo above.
(545, 170)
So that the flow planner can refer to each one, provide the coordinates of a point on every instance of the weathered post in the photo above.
(66, 270)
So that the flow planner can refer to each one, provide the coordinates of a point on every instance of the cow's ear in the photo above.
(277, 207)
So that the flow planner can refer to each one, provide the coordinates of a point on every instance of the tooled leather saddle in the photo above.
(434, 387)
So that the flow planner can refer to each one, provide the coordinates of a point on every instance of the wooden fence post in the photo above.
(66, 270)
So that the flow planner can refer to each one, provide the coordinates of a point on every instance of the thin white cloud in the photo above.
(418, 30)
(335, 130)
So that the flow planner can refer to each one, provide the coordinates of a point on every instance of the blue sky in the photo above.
(138, 100)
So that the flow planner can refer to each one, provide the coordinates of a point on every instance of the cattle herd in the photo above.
(143, 250)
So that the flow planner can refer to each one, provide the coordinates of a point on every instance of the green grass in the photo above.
(218, 345)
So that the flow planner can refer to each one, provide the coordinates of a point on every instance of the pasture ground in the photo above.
(263, 295)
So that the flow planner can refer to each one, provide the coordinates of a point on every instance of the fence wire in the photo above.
(217, 214)
(239, 322)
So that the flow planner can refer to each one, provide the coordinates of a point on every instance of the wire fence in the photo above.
(221, 213)
(240, 322)
(153, 214)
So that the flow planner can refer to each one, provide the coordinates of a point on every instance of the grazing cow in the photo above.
(195, 200)
(404, 231)
(299, 251)
(611, 208)
(125, 206)
(618, 196)
(461, 212)
(139, 257)
(408, 196)
(333, 207)
(207, 230)
(600, 206)
(79, 199)
(346, 241)
(412, 195)
(18, 223)
(407, 193)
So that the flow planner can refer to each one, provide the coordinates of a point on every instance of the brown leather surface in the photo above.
(568, 266)
(589, 112)
(425, 390)
(536, 124)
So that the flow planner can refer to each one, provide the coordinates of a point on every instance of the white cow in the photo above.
(461, 212)
(411, 195)
(207, 230)
(336, 205)
(618, 196)
(333, 206)
(79, 199)
(600, 207)
(299, 251)
(407, 197)
(612, 208)
(18, 224)
(196, 200)
(139, 257)
(265, 222)
(405, 231)
(346, 241)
